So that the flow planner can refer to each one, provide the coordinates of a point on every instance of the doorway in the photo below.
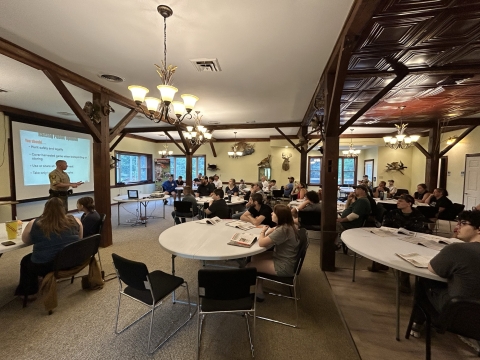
(368, 168)
(471, 187)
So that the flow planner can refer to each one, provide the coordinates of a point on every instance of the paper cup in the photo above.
(11, 227)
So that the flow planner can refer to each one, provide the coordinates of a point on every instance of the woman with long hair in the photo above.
(422, 194)
(300, 190)
(49, 234)
(281, 261)
(231, 188)
(90, 218)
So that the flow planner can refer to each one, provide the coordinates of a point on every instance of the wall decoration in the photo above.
(162, 169)
(286, 161)
(244, 147)
(265, 163)
(396, 166)
(114, 164)
(212, 167)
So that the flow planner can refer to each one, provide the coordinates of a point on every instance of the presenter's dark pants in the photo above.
(29, 273)
(64, 199)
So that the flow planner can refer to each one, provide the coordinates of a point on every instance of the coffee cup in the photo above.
(11, 227)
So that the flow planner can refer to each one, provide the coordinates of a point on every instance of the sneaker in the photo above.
(417, 330)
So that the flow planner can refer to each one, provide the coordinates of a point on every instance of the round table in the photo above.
(236, 200)
(383, 249)
(143, 200)
(18, 241)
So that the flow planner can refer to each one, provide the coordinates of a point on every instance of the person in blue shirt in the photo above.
(169, 187)
(287, 190)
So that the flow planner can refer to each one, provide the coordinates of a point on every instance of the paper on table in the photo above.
(378, 232)
(415, 259)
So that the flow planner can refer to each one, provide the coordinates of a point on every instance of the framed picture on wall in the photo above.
(264, 172)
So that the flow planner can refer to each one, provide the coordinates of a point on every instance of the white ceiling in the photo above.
(272, 53)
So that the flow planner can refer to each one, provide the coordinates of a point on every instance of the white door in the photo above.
(471, 196)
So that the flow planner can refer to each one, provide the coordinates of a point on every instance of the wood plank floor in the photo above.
(368, 306)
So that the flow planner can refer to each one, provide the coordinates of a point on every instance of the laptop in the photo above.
(132, 194)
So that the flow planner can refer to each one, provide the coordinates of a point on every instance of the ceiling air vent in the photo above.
(207, 65)
(111, 78)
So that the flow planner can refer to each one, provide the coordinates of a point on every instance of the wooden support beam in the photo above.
(287, 138)
(457, 140)
(422, 150)
(73, 104)
(303, 157)
(101, 170)
(185, 143)
(114, 145)
(313, 146)
(401, 72)
(432, 163)
(122, 123)
(213, 149)
(175, 142)
(253, 126)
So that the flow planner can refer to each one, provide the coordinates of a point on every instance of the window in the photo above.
(178, 166)
(314, 167)
(133, 167)
(347, 170)
(368, 165)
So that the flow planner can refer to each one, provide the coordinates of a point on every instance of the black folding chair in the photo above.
(460, 316)
(148, 288)
(226, 291)
(310, 220)
(100, 227)
(290, 281)
(183, 209)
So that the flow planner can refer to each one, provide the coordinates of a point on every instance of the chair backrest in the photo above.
(277, 193)
(401, 192)
(302, 250)
(460, 316)
(77, 253)
(132, 273)
(457, 209)
(183, 206)
(309, 218)
(103, 217)
(226, 284)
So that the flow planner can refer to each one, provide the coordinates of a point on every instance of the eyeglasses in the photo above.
(463, 223)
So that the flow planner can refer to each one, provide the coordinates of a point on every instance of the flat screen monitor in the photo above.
(132, 194)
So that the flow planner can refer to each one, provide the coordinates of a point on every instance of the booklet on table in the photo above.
(243, 239)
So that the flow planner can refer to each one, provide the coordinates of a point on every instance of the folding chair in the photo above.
(183, 209)
(290, 281)
(460, 316)
(100, 227)
(226, 291)
(148, 288)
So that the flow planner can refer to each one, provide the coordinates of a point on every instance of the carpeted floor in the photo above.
(82, 327)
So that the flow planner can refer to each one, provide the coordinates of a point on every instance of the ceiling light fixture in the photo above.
(351, 152)
(197, 134)
(451, 140)
(401, 140)
(235, 153)
(159, 109)
(165, 153)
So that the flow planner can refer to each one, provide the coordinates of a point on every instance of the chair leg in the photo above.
(71, 280)
(428, 324)
(249, 335)
(150, 330)
(101, 267)
(410, 323)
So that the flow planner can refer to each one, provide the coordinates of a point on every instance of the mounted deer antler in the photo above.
(286, 161)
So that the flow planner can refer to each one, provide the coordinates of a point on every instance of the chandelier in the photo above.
(197, 134)
(401, 140)
(165, 153)
(159, 109)
(235, 153)
(351, 152)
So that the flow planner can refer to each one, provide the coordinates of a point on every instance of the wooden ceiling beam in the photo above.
(122, 123)
(175, 142)
(431, 71)
(425, 124)
(143, 138)
(457, 140)
(114, 145)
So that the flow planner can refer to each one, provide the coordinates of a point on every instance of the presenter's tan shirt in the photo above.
(58, 177)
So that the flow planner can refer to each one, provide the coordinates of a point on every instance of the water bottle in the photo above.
(380, 194)
(230, 197)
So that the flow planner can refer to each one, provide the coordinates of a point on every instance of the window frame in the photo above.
(194, 158)
(355, 166)
(118, 153)
(309, 182)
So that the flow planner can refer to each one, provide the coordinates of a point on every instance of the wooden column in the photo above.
(188, 170)
(432, 163)
(101, 169)
(303, 157)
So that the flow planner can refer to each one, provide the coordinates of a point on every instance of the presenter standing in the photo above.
(60, 183)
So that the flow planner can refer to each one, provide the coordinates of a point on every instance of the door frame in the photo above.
(465, 173)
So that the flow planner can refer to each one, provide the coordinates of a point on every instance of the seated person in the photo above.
(311, 203)
(211, 183)
(218, 206)
(300, 190)
(272, 185)
(319, 192)
(407, 217)
(188, 197)
(179, 181)
(217, 182)
(90, 218)
(357, 209)
(264, 182)
(443, 205)
(198, 179)
(232, 188)
(287, 190)
(366, 181)
(380, 190)
(258, 213)
(256, 188)
(242, 186)
(203, 189)
(284, 236)
(422, 194)
(49, 234)
(392, 190)
(169, 187)
(459, 263)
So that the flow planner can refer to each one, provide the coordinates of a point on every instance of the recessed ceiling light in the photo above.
(161, 134)
(111, 78)
(64, 113)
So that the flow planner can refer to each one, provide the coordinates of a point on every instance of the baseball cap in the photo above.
(363, 187)
(291, 177)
